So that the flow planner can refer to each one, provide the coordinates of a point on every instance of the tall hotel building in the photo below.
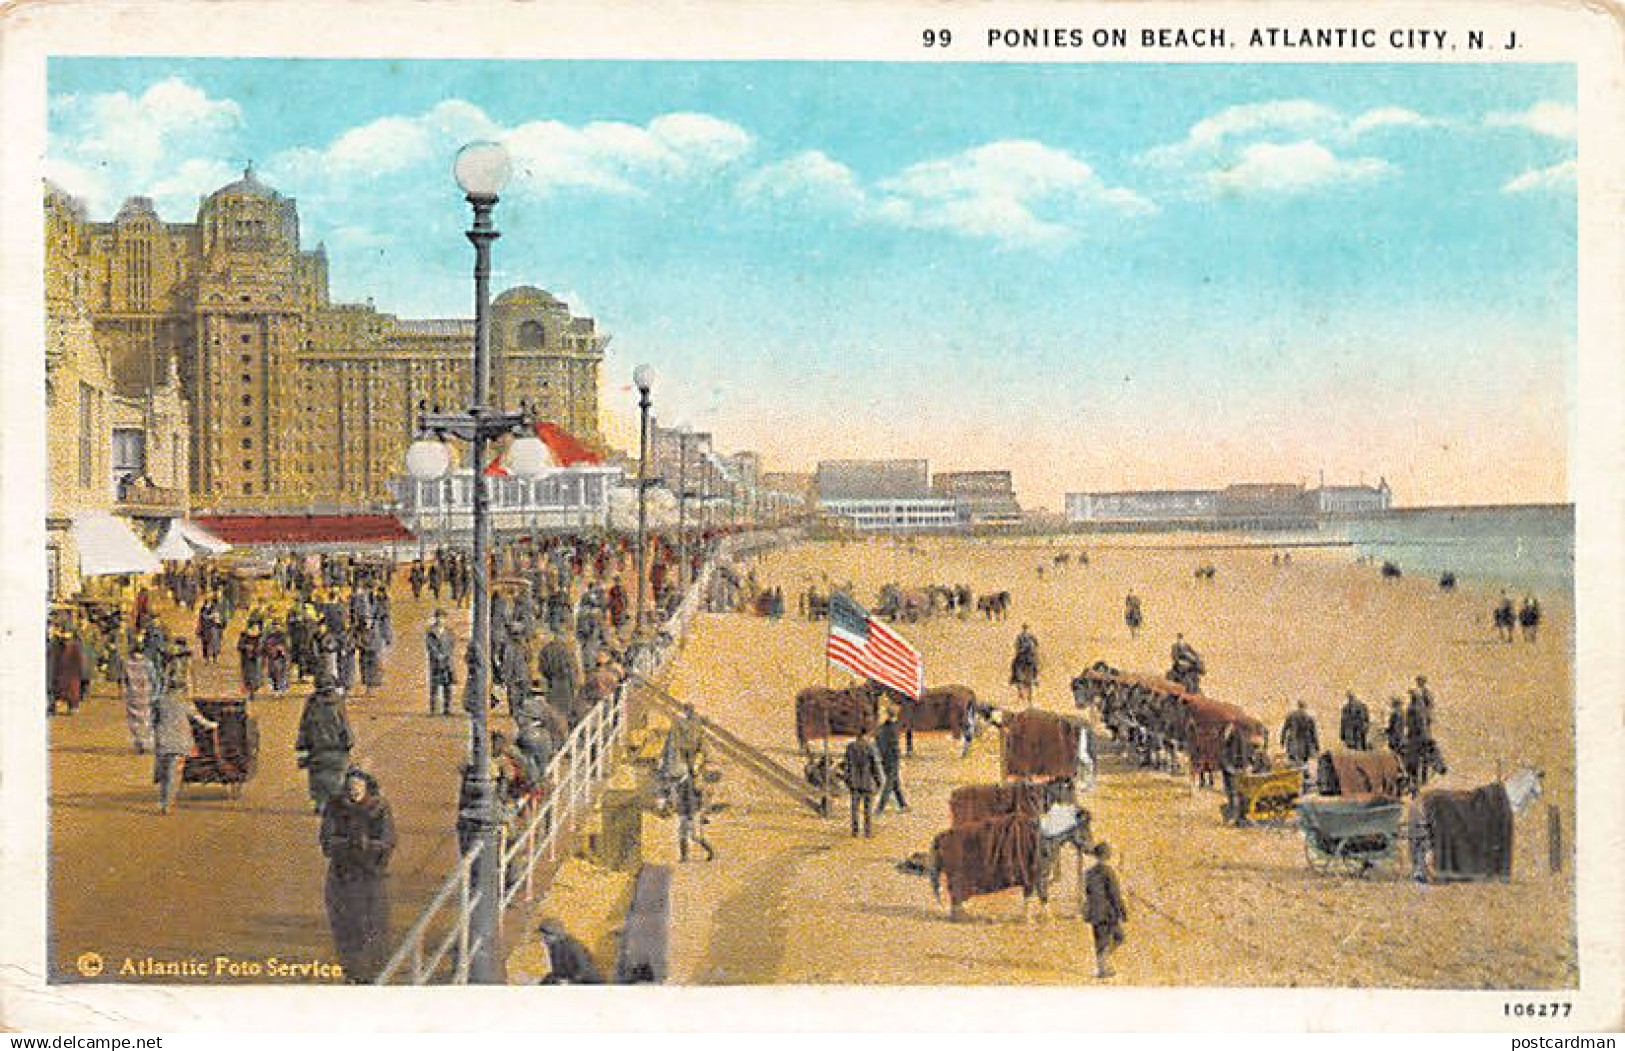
(295, 401)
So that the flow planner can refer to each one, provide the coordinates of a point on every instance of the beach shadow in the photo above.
(110, 750)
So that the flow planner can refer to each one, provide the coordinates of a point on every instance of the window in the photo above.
(248, 421)
(129, 452)
(248, 465)
(248, 359)
(248, 399)
(531, 335)
(246, 337)
(248, 488)
(247, 378)
(248, 443)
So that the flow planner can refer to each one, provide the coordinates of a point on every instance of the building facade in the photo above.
(983, 498)
(1247, 503)
(121, 460)
(882, 496)
(295, 401)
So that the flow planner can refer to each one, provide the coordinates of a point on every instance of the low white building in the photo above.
(894, 515)
(574, 499)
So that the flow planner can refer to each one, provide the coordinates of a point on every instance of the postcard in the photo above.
(898, 515)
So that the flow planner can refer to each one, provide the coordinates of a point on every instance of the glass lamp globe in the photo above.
(427, 459)
(482, 168)
(643, 377)
(529, 457)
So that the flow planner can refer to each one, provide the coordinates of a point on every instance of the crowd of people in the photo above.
(562, 634)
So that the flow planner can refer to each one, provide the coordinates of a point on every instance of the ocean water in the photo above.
(1521, 548)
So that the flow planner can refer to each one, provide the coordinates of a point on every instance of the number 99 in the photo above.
(937, 37)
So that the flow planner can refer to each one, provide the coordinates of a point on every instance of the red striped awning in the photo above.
(306, 529)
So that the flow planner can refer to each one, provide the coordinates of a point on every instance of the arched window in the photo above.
(532, 336)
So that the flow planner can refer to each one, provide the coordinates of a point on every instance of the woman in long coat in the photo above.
(66, 671)
(139, 683)
(250, 658)
(323, 745)
(172, 716)
(358, 837)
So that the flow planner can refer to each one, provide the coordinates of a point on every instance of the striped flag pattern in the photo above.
(870, 650)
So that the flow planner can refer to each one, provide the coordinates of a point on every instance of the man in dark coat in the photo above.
(1394, 732)
(1235, 759)
(888, 742)
(1354, 726)
(323, 743)
(438, 643)
(1299, 736)
(862, 778)
(1103, 908)
(358, 837)
(558, 667)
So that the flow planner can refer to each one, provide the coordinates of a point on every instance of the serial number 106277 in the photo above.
(1550, 1009)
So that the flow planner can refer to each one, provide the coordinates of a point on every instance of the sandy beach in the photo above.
(793, 899)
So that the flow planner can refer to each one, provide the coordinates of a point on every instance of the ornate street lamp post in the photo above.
(482, 170)
(682, 507)
(643, 378)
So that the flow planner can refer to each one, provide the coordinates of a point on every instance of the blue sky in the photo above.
(1100, 276)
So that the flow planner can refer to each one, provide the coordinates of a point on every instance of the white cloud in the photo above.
(1552, 119)
(1209, 136)
(1557, 176)
(130, 142)
(811, 176)
(1388, 117)
(1267, 167)
(621, 158)
(177, 193)
(1279, 147)
(1017, 192)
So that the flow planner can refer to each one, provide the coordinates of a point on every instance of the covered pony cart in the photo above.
(1349, 834)
(1271, 795)
(227, 754)
(1043, 746)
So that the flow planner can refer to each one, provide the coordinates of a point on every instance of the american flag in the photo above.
(868, 649)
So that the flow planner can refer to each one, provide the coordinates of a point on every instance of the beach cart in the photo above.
(228, 753)
(1349, 834)
(1269, 796)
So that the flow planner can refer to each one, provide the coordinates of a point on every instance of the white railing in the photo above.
(570, 789)
(456, 893)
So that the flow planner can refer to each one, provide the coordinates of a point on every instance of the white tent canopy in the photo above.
(172, 548)
(199, 537)
(107, 547)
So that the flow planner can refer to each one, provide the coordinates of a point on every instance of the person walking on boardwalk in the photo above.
(1354, 725)
(251, 658)
(324, 742)
(1024, 665)
(1103, 908)
(358, 838)
(862, 778)
(438, 643)
(689, 800)
(888, 742)
(139, 683)
(1299, 736)
(173, 714)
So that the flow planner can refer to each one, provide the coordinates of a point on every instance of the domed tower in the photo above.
(545, 355)
(249, 324)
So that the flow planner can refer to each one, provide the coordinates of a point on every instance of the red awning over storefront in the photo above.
(242, 530)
